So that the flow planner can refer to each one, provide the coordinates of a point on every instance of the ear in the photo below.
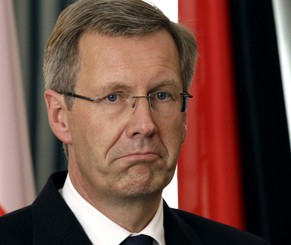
(57, 115)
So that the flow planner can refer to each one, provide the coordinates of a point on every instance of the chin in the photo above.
(144, 189)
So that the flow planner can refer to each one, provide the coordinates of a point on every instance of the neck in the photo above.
(131, 213)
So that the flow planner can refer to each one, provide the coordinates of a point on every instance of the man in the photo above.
(117, 74)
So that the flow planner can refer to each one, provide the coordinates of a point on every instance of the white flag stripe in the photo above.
(16, 179)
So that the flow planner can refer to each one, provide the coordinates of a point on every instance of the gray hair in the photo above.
(111, 18)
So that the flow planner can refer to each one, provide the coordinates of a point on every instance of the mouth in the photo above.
(141, 157)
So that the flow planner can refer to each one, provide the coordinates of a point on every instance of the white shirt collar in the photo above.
(102, 230)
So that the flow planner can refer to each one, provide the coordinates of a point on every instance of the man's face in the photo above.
(132, 153)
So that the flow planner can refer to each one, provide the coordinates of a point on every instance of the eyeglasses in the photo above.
(163, 102)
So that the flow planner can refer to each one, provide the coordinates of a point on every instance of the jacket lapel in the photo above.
(57, 224)
(177, 231)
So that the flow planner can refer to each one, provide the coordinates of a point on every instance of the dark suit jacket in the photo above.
(50, 221)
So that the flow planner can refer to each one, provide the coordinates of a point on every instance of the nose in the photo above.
(135, 99)
(141, 122)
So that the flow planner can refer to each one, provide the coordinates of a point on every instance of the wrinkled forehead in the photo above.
(131, 59)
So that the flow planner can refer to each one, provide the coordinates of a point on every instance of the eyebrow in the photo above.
(110, 86)
(168, 83)
(113, 86)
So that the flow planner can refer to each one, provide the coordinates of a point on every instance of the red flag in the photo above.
(209, 167)
(1, 211)
(16, 180)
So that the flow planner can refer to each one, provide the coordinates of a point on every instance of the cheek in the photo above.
(173, 134)
(98, 135)
(85, 131)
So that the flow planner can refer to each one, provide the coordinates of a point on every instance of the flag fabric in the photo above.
(209, 175)
(235, 165)
(264, 130)
(1, 211)
(16, 177)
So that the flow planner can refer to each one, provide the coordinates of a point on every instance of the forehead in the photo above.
(105, 59)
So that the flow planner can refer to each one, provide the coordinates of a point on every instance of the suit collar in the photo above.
(177, 231)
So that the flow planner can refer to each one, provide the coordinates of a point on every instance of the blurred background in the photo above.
(235, 166)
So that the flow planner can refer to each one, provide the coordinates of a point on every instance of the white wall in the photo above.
(169, 7)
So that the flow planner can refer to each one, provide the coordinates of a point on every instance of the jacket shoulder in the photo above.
(212, 232)
(16, 227)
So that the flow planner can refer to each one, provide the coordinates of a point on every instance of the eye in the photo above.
(112, 97)
(163, 96)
